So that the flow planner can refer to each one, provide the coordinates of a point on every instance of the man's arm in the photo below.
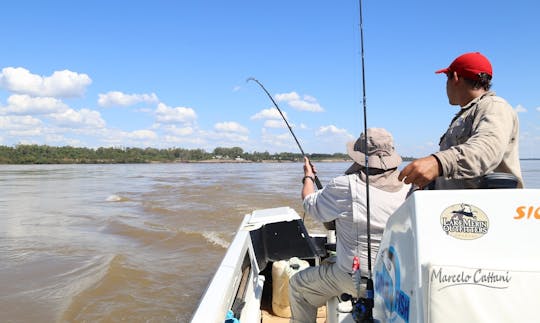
(421, 171)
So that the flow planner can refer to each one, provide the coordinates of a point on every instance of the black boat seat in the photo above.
(283, 240)
(499, 180)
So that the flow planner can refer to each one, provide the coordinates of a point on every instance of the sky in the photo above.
(169, 74)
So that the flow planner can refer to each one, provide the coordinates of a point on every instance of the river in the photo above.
(133, 243)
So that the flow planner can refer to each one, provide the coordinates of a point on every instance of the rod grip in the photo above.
(318, 183)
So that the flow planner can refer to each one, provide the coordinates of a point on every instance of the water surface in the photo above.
(134, 243)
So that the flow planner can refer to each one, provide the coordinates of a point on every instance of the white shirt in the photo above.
(344, 200)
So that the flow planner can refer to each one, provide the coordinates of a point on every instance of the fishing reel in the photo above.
(362, 307)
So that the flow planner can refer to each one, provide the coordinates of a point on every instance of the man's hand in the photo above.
(309, 169)
(309, 184)
(421, 171)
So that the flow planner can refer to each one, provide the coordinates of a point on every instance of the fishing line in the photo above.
(317, 182)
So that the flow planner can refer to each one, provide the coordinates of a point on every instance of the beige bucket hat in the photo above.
(380, 150)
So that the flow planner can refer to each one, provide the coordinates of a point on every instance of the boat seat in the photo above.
(499, 180)
(284, 240)
(492, 180)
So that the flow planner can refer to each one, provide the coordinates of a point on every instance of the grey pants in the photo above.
(313, 286)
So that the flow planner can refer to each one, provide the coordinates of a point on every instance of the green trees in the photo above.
(228, 153)
(43, 154)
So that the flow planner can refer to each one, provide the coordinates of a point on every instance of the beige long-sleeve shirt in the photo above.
(482, 138)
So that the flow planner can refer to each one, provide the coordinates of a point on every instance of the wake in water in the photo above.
(215, 239)
(116, 198)
(59, 280)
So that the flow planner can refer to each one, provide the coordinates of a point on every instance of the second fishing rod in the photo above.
(316, 179)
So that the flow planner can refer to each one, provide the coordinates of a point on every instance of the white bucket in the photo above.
(281, 272)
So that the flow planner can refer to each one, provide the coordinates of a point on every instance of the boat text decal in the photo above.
(388, 286)
(450, 277)
(464, 221)
(527, 212)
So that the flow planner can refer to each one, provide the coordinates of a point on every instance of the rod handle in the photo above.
(318, 183)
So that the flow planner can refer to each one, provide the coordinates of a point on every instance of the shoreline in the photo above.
(233, 161)
(214, 161)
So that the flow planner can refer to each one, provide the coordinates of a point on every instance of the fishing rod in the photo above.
(317, 182)
(363, 305)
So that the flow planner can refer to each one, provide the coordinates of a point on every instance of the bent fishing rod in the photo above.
(317, 182)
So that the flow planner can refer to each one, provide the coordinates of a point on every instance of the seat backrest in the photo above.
(499, 180)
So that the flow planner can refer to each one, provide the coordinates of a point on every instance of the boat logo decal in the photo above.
(464, 221)
(445, 277)
(527, 212)
(388, 286)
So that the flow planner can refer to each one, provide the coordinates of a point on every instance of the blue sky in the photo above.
(173, 73)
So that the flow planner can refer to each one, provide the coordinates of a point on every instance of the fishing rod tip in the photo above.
(251, 78)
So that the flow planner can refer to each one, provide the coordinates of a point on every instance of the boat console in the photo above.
(461, 256)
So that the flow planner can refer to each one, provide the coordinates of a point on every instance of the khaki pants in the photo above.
(312, 287)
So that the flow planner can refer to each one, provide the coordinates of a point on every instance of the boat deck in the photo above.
(268, 317)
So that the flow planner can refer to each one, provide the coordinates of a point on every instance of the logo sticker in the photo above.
(464, 221)
(388, 286)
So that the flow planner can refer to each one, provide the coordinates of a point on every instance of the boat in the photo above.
(445, 256)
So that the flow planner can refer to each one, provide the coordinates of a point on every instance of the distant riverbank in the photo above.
(42, 154)
(218, 161)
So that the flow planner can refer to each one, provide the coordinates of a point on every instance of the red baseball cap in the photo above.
(469, 65)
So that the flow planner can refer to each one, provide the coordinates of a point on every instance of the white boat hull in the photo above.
(445, 256)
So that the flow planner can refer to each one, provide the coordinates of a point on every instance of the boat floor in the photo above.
(268, 317)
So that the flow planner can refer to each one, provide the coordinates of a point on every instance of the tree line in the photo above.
(43, 154)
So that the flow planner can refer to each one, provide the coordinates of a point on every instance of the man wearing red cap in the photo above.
(482, 138)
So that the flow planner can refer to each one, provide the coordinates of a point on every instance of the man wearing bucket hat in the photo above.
(482, 137)
(344, 200)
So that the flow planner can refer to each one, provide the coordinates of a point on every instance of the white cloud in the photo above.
(278, 141)
(116, 98)
(60, 84)
(275, 124)
(519, 108)
(307, 103)
(62, 140)
(538, 109)
(184, 131)
(167, 114)
(136, 138)
(271, 113)
(142, 135)
(25, 104)
(292, 96)
(19, 122)
(21, 126)
(227, 138)
(33, 132)
(196, 141)
(331, 130)
(230, 126)
(81, 118)
(332, 133)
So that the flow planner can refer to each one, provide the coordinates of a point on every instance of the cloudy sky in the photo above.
(173, 73)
